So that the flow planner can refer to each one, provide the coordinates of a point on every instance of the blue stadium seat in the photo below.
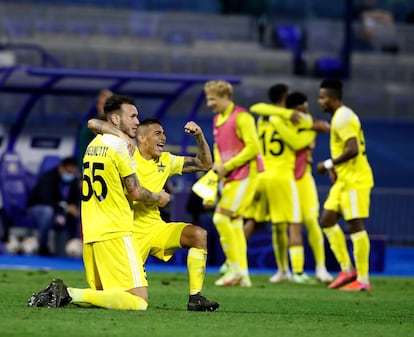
(49, 162)
(329, 67)
(14, 190)
(290, 37)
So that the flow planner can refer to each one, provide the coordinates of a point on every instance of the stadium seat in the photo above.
(329, 67)
(14, 191)
(290, 37)
(48, 162)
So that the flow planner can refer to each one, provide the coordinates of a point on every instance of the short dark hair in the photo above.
(150, 121)
(333, 87)
(114, 102)
(295, 98)
(69, 161)
(276, 92)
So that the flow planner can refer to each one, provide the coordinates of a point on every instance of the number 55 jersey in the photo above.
(106, 212)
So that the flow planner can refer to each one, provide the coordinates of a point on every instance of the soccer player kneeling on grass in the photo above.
(113, 263)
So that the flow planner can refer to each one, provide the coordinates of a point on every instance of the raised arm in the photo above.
(100, 126)
(266, 109)
(203, 160)
(290, 135)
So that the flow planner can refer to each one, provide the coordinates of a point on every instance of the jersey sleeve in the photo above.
(125, 162)
(177, 163)
(345, 125)
(305, 122)
(266, 109)
(290, 135)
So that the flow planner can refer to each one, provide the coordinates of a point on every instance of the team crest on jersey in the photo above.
(161, 167)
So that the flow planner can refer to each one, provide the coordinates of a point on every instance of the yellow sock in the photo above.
(297, 258)
(361, 244)
(337, 242)
(227, 237)
(196, 265)
(108, 299)
(280, 242)
(241, 244)
(315, 238)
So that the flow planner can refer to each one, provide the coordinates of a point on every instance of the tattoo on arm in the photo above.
(201, 153)
(131, 182)
(146, 195)
(202, 161)
(191, 164)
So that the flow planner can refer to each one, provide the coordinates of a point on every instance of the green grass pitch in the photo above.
(264, 310)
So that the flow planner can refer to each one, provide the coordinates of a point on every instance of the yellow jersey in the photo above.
(280, 140)
(153, 175)
(105, 210)
(356, 172)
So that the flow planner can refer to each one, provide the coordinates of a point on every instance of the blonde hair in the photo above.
(219, 87)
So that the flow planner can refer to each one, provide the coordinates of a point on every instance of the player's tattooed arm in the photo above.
(203, 159)
(101, 127)
(138, 193)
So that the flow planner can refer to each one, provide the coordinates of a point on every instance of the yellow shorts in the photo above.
(114, 263)
(160, 239)
(258, 208)
(351, 203)
(236, 195)
(283, 198)
(308, 196)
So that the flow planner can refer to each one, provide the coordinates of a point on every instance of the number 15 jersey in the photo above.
(106, 212)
